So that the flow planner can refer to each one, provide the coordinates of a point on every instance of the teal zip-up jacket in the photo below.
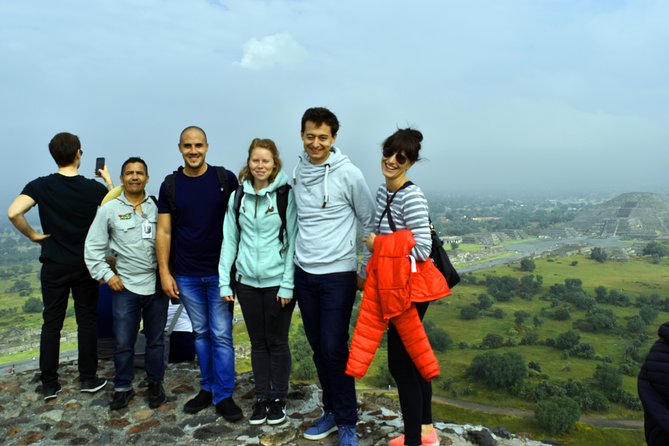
(262, 261)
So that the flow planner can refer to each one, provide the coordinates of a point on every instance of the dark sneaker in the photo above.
(121, 399)
(156, 394)
(347, 436)
(93, 385)
(201, 401)
(50, 390)
(259, 412)
(323, 427)
(276, 413)
(229, 410)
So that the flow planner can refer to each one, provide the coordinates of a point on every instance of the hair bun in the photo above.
(416, 134)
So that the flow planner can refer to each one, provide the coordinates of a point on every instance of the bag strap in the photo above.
(389, 200)
(175, 318)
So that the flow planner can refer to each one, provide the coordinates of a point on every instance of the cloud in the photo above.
(276, 51)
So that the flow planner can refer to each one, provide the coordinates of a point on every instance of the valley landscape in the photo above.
(560, 300)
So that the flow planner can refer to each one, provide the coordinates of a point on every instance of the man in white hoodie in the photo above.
(331, 196)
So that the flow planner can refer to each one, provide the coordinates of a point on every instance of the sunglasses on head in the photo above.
(399, 157)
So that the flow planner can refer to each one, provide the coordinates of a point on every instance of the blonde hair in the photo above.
(266, 143)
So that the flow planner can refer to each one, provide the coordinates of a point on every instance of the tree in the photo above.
(439, 339)
(608, 378)
(468, 313)
(655, 248)
(33, 305)
(648, 314)
(599, 255)
(303, 365)
(498, 371)
(384, 379)
(520, 317)
(568, 339)
(635, 325)
(455, 245)
(529, 338)
(597, 320)
(527, 265)
(485, 302)
(492, 340)
(557, 414)
(498, 313)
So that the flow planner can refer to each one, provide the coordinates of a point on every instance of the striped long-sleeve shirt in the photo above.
(409, 211)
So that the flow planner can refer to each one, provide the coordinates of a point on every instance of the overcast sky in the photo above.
(512, 96)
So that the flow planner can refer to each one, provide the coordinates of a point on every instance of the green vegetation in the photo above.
(557, 414)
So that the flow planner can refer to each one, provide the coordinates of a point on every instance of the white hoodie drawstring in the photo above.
(299, 161)
(326, 195)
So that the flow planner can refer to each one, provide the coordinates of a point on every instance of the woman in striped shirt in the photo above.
(401, 204)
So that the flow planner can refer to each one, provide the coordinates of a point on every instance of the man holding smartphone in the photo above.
(67, 203)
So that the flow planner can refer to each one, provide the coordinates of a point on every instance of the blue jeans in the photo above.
(127, 309)
(326, 302)
(211, 318)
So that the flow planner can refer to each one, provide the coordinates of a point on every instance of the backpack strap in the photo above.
(239, 193)
(281, 204)
(223, 180)
(389, 200)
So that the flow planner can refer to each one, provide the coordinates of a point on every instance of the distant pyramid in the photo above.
(634, 215)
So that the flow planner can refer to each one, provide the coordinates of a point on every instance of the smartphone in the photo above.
(99, 165)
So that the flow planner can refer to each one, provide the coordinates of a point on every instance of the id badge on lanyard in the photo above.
(147, 229)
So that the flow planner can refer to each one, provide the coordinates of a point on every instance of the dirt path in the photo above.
(619, 423)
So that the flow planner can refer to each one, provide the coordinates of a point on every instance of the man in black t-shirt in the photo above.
(67, 204)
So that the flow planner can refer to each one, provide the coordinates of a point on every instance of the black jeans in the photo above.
(415, 393)
(268, 324)
(57, 282)
(326, 302)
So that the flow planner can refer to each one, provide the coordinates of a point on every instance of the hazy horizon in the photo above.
(513, 97)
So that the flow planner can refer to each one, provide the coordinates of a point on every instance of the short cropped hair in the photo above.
(192, 127)
(320, 116)
(64, 147)
(134, 159)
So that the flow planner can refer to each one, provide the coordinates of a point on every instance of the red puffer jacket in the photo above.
(394, 282)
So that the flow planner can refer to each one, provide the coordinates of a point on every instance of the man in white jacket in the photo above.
(332, 197)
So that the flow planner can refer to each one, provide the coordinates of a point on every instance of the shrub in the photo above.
(492, 340)
(608, 378)
(498, 313)
(529, 338)
(498, 371)
(33, 305)
(557, 414)
(469, 313)
(599, 255)
(567, 340)
(527, 265)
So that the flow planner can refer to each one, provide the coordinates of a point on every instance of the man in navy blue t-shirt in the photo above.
(191, 207)
(67, 203)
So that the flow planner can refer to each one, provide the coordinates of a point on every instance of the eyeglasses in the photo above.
(81, 151)
(399, 157)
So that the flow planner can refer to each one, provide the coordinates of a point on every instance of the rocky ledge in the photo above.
(75, 418)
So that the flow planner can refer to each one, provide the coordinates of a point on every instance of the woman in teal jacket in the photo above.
(264, 276)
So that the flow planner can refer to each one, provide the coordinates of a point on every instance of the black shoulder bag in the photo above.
(437, 254)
